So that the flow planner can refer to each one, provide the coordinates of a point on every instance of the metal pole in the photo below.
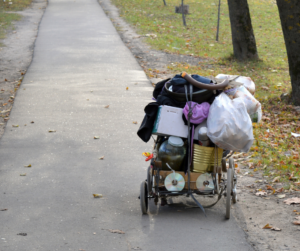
(183, 17)
(165, 3)
(218, 25)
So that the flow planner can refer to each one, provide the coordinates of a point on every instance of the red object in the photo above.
(150, 157)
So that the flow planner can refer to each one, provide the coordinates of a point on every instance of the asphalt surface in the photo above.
(80, 65)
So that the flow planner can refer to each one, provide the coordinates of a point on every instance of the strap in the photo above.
(189, 146)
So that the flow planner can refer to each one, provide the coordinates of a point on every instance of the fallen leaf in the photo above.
(4, 209)
(52, 131)
(96, 195)
(106, 106)
(297, 218)
(134, 122)
(294, 200)
(276, 229)
(127, 88)
(261, 193)
(32, 122)
(116, 231)
(15, 125)
(28, 165)
(22, 234)
(5, 79)
(101, 157)
(96, 137)
(281, 196)
(22, 174)
(280, 190)
(269, 187)
(4, 104)
(276, 179)
(267, 226)
(296, 222)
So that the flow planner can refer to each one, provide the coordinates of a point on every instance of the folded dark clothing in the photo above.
(145, 130)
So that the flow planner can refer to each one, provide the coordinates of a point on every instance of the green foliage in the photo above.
(6, 18)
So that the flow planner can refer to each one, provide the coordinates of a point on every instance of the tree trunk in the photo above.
(243, 40)
(289, 11)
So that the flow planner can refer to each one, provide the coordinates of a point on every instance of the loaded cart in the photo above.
(197, 131)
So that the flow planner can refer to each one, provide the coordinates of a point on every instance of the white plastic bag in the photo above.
(229, 125)
(246, 81)
(252, 105)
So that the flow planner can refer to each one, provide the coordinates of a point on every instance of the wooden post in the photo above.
(183, 17)
(218, 25)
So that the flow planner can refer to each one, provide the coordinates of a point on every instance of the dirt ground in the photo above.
(16, 56)
(251, 211)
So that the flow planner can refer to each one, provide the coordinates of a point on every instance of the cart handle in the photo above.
(200, 85)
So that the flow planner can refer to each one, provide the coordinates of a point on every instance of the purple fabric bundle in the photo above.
(200, 111)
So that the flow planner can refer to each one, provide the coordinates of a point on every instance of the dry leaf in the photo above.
(267, 226)
(276, 229)
(106, 106)
(117, 231)
(96, 137)
(281, 196)
(127, 88)
(280, 190)
(261, 193)
(15, 125)
(134, 122)
(276, 179)
(294, 200)
(101, 157)
(28, 165)
(269, 187)
(22, 174)
(296, 222)
(297, 218)
(32, 122)
(96, 195)
(52, 131)
(4, 209)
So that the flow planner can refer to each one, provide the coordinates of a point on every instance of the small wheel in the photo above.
(149, 180)
(144, 197)
(234, 195)
(228, 192)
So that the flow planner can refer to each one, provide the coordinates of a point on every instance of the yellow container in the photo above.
(204, 158)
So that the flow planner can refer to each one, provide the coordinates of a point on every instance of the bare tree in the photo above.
(289, 12)
(243, 40)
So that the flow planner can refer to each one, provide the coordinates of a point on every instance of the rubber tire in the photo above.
(228, 192)
(144, 197)
(149, 180)
(231, 165)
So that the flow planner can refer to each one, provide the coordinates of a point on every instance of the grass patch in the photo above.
(276, 151)
(6, 18)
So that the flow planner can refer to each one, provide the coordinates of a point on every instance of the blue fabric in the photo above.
(178, 80)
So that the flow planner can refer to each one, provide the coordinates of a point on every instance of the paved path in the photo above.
(80, 65)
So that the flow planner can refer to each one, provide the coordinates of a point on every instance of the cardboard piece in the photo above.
(194, 177)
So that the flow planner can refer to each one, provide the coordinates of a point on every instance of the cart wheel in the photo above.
(149, 180)
(228, 192)
(233, 180)
(144, 197)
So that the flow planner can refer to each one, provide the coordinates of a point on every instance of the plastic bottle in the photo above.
(202, 137)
